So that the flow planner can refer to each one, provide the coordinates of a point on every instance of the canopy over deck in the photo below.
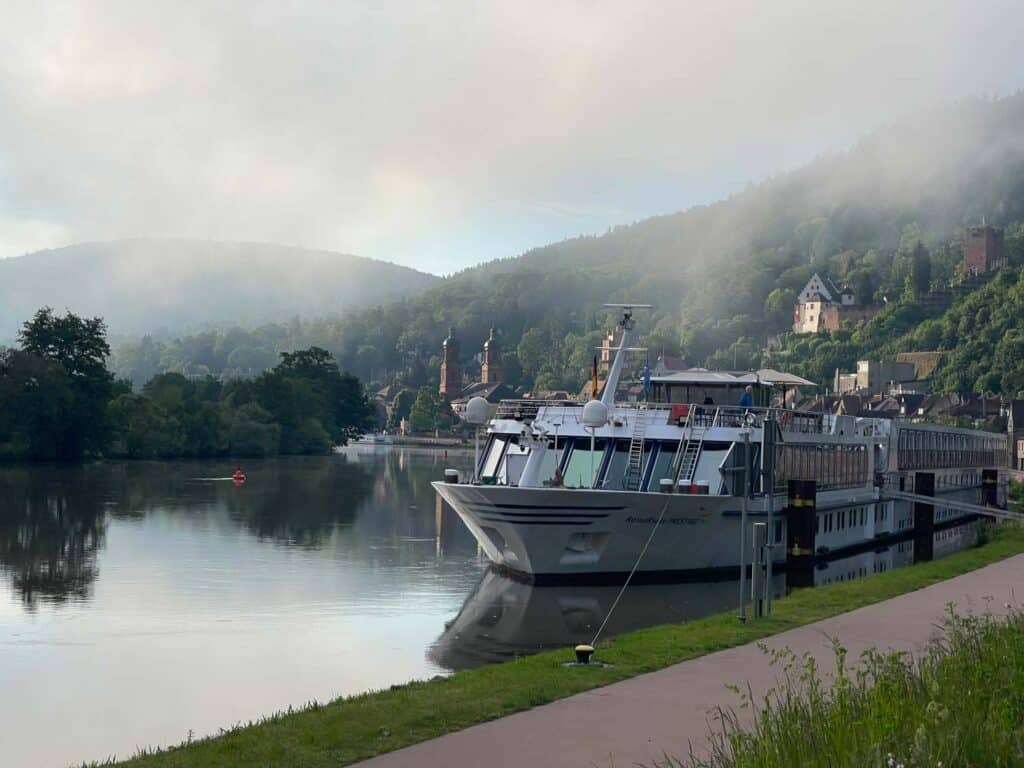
(766, 377)
(699, 385)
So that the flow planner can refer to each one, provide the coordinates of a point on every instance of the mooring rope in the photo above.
(636, 565)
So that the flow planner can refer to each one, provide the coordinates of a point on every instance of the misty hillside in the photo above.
(722, 276)
(942, 170)
(147, 285)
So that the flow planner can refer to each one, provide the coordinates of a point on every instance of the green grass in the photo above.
(354, 728)
(961, 703)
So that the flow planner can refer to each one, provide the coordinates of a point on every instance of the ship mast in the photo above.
(627, 324)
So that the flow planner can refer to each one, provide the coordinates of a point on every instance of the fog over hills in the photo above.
(722, 277)
(147, 285)
(941, 169)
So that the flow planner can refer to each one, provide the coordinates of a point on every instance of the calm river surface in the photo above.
(144, 602)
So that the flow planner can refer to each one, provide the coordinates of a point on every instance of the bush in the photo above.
(960, 703)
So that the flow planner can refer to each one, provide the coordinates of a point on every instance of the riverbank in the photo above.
(355, 728)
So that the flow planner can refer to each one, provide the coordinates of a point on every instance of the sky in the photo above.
(439, 135)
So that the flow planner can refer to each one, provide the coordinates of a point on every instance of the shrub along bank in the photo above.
(359, 727)
(958, 704)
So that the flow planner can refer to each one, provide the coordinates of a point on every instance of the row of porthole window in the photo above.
(857, 573)
(844, 518)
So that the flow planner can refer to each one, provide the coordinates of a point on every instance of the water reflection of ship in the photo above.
(503, 618)
(945, 541)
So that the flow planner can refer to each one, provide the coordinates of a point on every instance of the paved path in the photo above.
(638, 720)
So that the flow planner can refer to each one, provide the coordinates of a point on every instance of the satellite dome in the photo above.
(478, 410)
(595, 414)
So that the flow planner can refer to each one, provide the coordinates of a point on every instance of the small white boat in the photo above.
(376, 438)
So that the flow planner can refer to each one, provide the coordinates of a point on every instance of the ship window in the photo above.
(493, 457)
(514, 463)
(550, 461)
(662, 465)
(615, 475)
(582, 466)
(709, 466)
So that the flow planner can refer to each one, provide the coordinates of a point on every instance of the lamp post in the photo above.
(745, 435)
(768, 463)
(595, 414)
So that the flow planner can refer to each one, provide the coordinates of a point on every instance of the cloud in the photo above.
(439, 134)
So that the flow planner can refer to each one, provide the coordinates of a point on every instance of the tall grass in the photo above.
(961, 703)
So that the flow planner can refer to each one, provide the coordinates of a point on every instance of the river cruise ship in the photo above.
(571, 491)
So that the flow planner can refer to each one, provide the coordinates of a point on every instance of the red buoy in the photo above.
(239, 476)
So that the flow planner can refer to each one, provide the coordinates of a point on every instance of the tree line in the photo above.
(551, 324)
(59, 401)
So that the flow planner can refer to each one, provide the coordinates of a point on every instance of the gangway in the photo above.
(886, 494)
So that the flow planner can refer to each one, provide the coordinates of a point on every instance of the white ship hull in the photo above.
(564, 534)
(592, 536)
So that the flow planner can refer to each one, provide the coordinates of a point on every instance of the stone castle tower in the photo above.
(983, 250)
(493, 369)
(451, 370)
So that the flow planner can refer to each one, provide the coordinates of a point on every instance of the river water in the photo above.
(144, 603)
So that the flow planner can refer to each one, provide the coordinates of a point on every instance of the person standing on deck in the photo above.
(747, 398)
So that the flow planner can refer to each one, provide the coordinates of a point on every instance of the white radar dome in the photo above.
(595, 414)
(478, 410)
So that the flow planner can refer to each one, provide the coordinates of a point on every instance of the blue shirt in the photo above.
(746, 400)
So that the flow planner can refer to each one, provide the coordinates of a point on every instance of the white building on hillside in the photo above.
(818, 304)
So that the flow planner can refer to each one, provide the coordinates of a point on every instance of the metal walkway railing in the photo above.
(960, 506)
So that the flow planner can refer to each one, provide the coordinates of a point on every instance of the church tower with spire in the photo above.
(451, 370)
(493, 369)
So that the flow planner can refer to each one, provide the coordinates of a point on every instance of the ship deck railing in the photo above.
(526, 409)
(707, 416)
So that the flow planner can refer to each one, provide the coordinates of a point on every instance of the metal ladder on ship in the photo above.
(687, 464)
(635, 466)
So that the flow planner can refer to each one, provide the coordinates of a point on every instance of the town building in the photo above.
(492, 370)
(666, 364)
(609, 344)
(924, 364)
(1015, 429)
(822, 306)
(874, 377)
(492, 386)
(451, 368)
(984, 250)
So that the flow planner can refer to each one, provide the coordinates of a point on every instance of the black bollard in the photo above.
(990, 487)
(801, 520)
(583, 653)
(924, 518)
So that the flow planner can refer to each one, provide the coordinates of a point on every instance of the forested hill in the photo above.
(981, 334)
(879, 216)
(143, 286)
